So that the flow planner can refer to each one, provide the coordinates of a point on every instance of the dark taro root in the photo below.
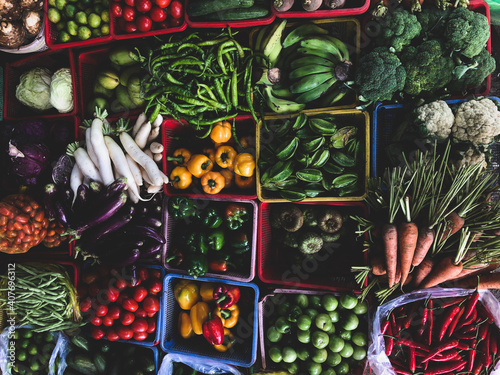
(330, 220)
(283, 5)
(310, 243)
(11, 34)
(310, 216)
(289, 217)
(311, 5)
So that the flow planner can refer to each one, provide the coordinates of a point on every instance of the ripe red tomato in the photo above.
(152, 314)
(121, 284)
(129, 13)
(140, 336)
(154, 286)
(96, 321)
(143, 6)
(86, 304)
(127, 318)
(140, 325)
(123, 295)
(157, 14)
(93, 290)
(112, 294)
(125, 333)
(101, 310)
(141, 313)
(151, 325)
(140, 293)
(144, 23)
(114, 312)
(143, 274)
(151, 304)
(130, 3)
(162, 4)
(107, 321)
(130, 304)
(111, 334)
(176, 9)
(97, 333)
(174, 22)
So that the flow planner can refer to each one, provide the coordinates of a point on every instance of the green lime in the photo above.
(302, 301)
(350, 322)
(359, 353)
(49, 337)
(315, 302)
(96, 33)
(359, 338)
(22, 355)
(333, 359)
(52, 3)
(323, 322)
(98, 8)
(70, 10)
(35, 366)
(282, 325)
(304, 337)
(342, 368)
(329, 371)
(304, 322)
(273, 335)
(60, 26)
(289, 354)
(314, 368)
(53, 15)
(72, 28)
(346, 335)
(319, 355)
(84, 33)
(320, 339)
(334, 316)
(347, 350)
(360, 308)
(32, 349)
(81, 18)
(329, 302)
(336, 344)
(303, 353)
(292, 368)
(94, 20)
(25, 343)
(275, 354)
(332, 330)
(311, 312)
(348, 301)
(27, 333)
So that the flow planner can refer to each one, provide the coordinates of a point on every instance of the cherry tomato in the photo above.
(114, 312)
(101, 310)
(143, 274)
(111, 334)
(85, 304)
(152, 314)
(82, 291)
(140, 325)
(162, 4)
(125, 333)
(130, 27)
(174, 22)
(96, 321)
(143, 6)
(141, 313)
(157, 14)
(103, 270)
(89, 277)
(144, 23)
(151, 325)
(163, 25)
(154, 286)
(120, 284)
(130, 304)
(127, 318)
(140, 293)
(93, 290)
(130, 3)
(107, 321)
(176, 9)
(151, 304)
(123, 296)
(112, 294)
(97, 333)
(140, 336)
(129, 13)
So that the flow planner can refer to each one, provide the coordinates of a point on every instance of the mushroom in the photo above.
(10, 10)
(31, 4)
(11, 34)
(32, 22)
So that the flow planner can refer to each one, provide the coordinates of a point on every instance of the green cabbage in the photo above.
(34, 88)
(61, 91)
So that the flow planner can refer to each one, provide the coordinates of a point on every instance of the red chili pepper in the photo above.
(226, 295)
(466, 329)
(412, 361)
(447, 319)
(443, 368)
(420, 353)
(463, 346)
(477, 368)
(484, 313)
(423, 322)
(389, 342)
(394, 326)
(485, 347)
(482, 331)
(399, 370)
(411, 344)
(454, 322)
(467, 336)
(446, 356)
(471, 304)
(441, 348)
(430, 319)
(213, 330)
(493, 344)
(451, 302)
(468, 321)
(472, 357)
(384, 327)
(406, 320)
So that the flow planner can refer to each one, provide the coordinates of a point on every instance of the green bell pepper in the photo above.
(216, 240)
(211, 218)
(196, 265)
(240, 243)
(197, 242)
(181, 207)
(236, 215)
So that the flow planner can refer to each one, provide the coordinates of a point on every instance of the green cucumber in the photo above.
(203, 7)
(81, 342)
(237, 14)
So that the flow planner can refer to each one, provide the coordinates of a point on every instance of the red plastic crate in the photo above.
(337, 276)
(351, 8)
(238, 23)
(51, 36)
(245, 124)
(52, 60)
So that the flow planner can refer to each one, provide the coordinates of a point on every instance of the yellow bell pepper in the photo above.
(199, 315)
(186, 293)
(199, 164)
(207, 292)
(224, 156)
(227, 343)
(181, 178)
(221, 132)
(229, 316)
(244, 164)
(185, 326)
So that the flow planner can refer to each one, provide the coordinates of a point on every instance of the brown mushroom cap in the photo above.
(32, 22)
(12, 34)
(31, 4)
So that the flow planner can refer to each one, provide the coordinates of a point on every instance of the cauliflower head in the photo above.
(472, 157)
(477, 121)
(435, 119)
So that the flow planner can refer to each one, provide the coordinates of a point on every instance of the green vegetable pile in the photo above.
(79, 19)
(311, 156)
(315, 334)
(429, 54)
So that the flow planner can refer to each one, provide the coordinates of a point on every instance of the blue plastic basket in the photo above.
(385, 117)
(244, 351)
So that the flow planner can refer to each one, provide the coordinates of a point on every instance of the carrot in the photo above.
(475, 270)
(486, 281)
(422, 270)
(377, 265)
(453, 224)
(443, 271)
(407, 241)
(390, 240)
(424, 243)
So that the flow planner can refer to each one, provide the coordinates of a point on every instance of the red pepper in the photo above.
(443, 368)
(213, 330)
(454, 322)
(452, 302)
(384, 327)
(217, 265)
(471, 304)
(485, 347)
(411, 344)
(463, 346)
(469, 320)
(447, 319)
(389, 342)
(441, 348)
(423, 322)
(472, 357)
(493, 344)
(482, 331)
(431, 322)
(467, 329)
(446, 356)
(477, 368)
(413, 364)
(394, 327)
(226, 295)
(406, 320)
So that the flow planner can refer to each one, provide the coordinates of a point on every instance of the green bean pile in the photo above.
(201, 78)
(45, 298)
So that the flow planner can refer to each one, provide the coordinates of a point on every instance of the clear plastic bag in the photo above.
(206, 366)
(60, 351)
(378, 360)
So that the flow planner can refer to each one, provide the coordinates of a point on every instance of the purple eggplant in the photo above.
(124, 258)
(66, 197)
(81, 200)
(49, 195)
(132, 276)
(149, 251)
(114, 223)
(61, 214)
(96, 188)
(117, 186)
(148, 232)
(149, 221)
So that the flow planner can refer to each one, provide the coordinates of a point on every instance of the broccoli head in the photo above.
(466, 31)
(427, 66)
(379, 75)
(398, 29)
(433, 20)
(471, 75)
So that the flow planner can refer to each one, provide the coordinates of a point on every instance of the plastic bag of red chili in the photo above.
(437, 331)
